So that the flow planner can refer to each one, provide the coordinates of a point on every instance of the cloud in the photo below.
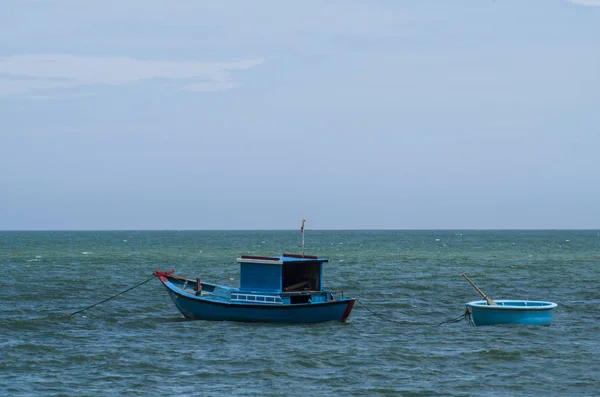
(191, 25)
(21, 74)
(589, 3)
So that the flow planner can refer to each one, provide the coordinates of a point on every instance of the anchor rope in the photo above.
(377, 314)
(469, 318)
(466, 315)
(112, 297)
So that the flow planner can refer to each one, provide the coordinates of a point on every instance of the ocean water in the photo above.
(399, 340)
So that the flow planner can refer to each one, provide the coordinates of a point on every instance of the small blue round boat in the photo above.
(511, 312)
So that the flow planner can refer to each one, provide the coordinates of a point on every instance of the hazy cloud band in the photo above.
(20, 74)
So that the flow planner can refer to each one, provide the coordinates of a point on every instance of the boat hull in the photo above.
(198, 307)
(511, 312)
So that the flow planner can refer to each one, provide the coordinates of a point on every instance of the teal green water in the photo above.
(138, 343)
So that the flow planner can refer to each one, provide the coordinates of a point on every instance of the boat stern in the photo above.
(348, 310)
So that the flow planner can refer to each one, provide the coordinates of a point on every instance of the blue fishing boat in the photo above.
(511, 312)
(286, 288)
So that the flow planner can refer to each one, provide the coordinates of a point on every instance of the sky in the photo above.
(356, 114)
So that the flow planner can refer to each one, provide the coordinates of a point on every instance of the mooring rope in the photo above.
(469, 318)
(466, 315)
(114, 296)
(377, 314)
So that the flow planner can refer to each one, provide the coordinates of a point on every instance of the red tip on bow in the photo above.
(160, 273)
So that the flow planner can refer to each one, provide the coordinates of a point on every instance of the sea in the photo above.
(407, 334)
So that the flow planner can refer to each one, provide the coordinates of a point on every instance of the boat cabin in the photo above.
(288, 273)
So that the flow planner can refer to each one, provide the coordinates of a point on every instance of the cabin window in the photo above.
(295, 299)
(301, 276)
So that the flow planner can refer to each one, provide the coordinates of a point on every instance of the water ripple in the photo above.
(406, 282)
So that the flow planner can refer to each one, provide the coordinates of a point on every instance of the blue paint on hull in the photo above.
(511, 312)
(198, 307)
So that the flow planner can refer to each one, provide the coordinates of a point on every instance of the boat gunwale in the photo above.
(483, 305)
(183, 294)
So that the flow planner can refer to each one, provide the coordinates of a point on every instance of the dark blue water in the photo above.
(406, 283)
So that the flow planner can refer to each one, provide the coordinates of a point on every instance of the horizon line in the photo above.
(306, 230)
